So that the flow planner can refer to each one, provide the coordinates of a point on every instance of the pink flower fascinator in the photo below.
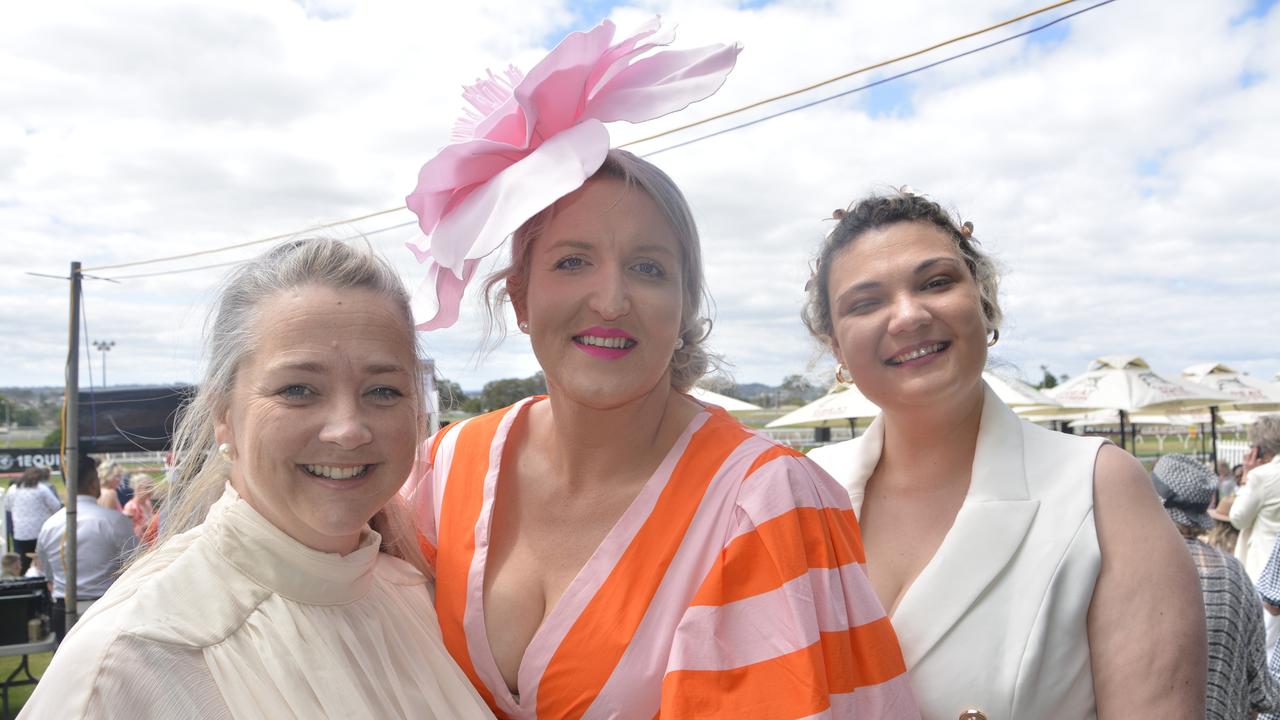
(532, 139)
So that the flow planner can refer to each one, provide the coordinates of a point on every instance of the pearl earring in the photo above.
(224, 449)
(679, 343)
(523, 325)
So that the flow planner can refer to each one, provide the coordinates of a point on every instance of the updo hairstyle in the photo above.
(878, 211)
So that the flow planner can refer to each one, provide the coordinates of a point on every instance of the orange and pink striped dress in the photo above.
(732, 587)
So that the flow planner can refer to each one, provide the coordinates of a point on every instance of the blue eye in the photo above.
(651, 269)
(385, 394)
(296, 392)
(572, 262)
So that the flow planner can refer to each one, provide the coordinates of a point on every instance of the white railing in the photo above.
(1232, 452)
(804, 437)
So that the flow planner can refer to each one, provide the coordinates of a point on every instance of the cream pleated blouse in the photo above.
(235, 619)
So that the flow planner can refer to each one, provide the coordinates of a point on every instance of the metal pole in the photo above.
(71, 445)
(1123, 433)
(1213, 433)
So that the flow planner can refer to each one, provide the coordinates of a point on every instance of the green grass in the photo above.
(18, 695)
(10, 442)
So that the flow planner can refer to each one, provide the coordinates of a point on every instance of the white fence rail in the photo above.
(1232, 452)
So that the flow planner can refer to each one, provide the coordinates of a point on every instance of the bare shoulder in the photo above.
(1118, 476)
(1146, 620)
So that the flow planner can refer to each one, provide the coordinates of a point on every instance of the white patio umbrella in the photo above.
(1018, 394)
(1127, 384)
(1248, 394)
(850, 404)
(730, 404)
(840, 404)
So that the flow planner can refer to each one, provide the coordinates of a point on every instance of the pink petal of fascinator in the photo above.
(532, 139)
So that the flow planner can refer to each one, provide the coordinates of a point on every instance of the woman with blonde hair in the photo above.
(616, 548)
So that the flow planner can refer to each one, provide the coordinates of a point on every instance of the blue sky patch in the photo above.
(1249, 78)
(588, 13)
(1257, 9)
(1049, 37)
(892, 99)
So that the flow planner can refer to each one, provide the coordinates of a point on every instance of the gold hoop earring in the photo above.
(995, 338)
(841, 372)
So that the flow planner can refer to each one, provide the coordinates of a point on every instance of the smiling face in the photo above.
(322, 416)
(604, 294)
(906, 316)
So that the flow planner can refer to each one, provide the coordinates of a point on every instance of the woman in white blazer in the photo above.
(1029, 574)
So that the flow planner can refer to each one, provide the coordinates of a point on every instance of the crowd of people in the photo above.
(618, 549)
(35, 523)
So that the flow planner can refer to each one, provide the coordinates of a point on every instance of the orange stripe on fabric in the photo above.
(797, 684)
(781, 550)
(770, 455)
(590, 651)
(427, 549)
(456, 535)
(439, 438)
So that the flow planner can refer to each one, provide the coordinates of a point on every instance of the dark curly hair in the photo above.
(877, 211)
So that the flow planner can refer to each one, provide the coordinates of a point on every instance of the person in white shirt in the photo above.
(104, 538)
(29, 503)
(1256, 511)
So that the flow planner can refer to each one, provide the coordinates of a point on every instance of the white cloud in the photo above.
(1123, 174)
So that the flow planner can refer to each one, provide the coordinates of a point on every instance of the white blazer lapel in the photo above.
(987, 532)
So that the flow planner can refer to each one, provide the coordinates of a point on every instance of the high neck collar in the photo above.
(268, 556)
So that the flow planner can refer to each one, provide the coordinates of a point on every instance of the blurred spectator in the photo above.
(1238, 681)
(1223, 535)
(11, 565)
(139, 510)
(112, 474)
(30, 504)
(1256, 511)
(1226, 484)
(103, 540)
(1269, 589)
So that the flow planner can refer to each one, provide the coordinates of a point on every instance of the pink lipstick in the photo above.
(605, 343)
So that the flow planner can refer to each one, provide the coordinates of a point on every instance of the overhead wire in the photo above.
(259, 241)
(180, 271)
(756, 104)
(881, 81)
(851, 73)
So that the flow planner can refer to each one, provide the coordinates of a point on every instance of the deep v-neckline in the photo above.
(580, 590)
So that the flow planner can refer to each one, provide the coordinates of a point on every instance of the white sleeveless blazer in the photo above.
(997, 620)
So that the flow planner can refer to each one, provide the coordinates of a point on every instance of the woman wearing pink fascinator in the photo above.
(615, 548)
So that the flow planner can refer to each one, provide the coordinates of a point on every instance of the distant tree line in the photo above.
(20, 414)
(496, 394)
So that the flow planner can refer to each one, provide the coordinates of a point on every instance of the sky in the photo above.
(1121, 166)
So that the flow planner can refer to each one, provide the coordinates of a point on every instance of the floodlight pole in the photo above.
(71, 448)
